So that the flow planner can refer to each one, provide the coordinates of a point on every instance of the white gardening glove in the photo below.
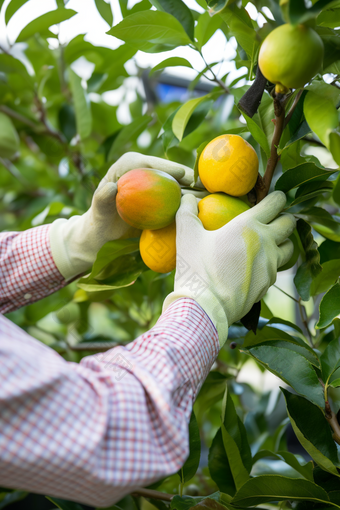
(75, 242)
(227, 270)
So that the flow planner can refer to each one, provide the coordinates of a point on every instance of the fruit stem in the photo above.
(262, 186)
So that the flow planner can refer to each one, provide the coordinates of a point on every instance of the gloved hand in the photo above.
(227, 270)
(75, 242)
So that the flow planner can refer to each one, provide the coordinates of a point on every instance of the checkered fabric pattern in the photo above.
(27, 269)
(93, 432)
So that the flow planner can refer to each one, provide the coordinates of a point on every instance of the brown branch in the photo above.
(49, 130)
(17, 116)
(13, 171)
(263, 183)
(148, 493)
(333, 421)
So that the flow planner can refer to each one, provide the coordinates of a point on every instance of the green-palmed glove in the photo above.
(227, 270)
(75, 242)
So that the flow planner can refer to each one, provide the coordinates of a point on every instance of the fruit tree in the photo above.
(267, 113)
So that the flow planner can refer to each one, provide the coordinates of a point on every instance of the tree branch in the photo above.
(217, 80)
(333, 421)
(17, 116)
(148, 493)
(263, 184)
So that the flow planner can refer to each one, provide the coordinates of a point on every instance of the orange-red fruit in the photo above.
(148, 199)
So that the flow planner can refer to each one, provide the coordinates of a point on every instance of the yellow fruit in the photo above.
(290, 56)
(228, 164)
(158, 248)
(218, 209)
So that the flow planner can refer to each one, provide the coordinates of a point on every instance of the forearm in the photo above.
(27, 269)
(98, 430)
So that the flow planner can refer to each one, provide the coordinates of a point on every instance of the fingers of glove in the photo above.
(268, 208)
(196, 193)
(285, 252)
(186, 217)
(132, 160)
(282, 227)
(105, 195)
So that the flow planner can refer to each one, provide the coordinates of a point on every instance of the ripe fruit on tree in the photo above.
(228, 164)
(158, 248)
(218, 209)
(290, 56)
(148, 199)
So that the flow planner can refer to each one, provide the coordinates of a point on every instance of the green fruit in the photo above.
(68, 313)
(290, 56)
(9, 139)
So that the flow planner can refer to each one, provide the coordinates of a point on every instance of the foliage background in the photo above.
(63, 135)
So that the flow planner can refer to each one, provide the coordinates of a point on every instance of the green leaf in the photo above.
(182, 116)
(127, 135)
(216, 6)
(105, 11)
(180, 11)
(334, 145)
(240, 26)
(65, 505)
(239, 472)
(219, 467)
(151, 31)
(236, 429)
(306, 470)
(67, 121)
(9, 64)
(291, 367)
(257, 134)
(206, 27)
(171, 62)
(42, 23)
(266, 488)
(301, 174)
(330, 359)
(329, 307)
(12, 497)
(12, 8)
(81, 106)
(299, 13)
(335, 383)
(329, 250)
(323, 222)
(309, 269)
(191, 464)
(329, 18)
(313, 431)
(111, 251)
(321, 115)
(329, 275)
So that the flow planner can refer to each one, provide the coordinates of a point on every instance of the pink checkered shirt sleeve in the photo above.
(27, 269)
(95, 431)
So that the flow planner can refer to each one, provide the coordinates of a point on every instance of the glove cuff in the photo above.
(73, 250)
(212, 307)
